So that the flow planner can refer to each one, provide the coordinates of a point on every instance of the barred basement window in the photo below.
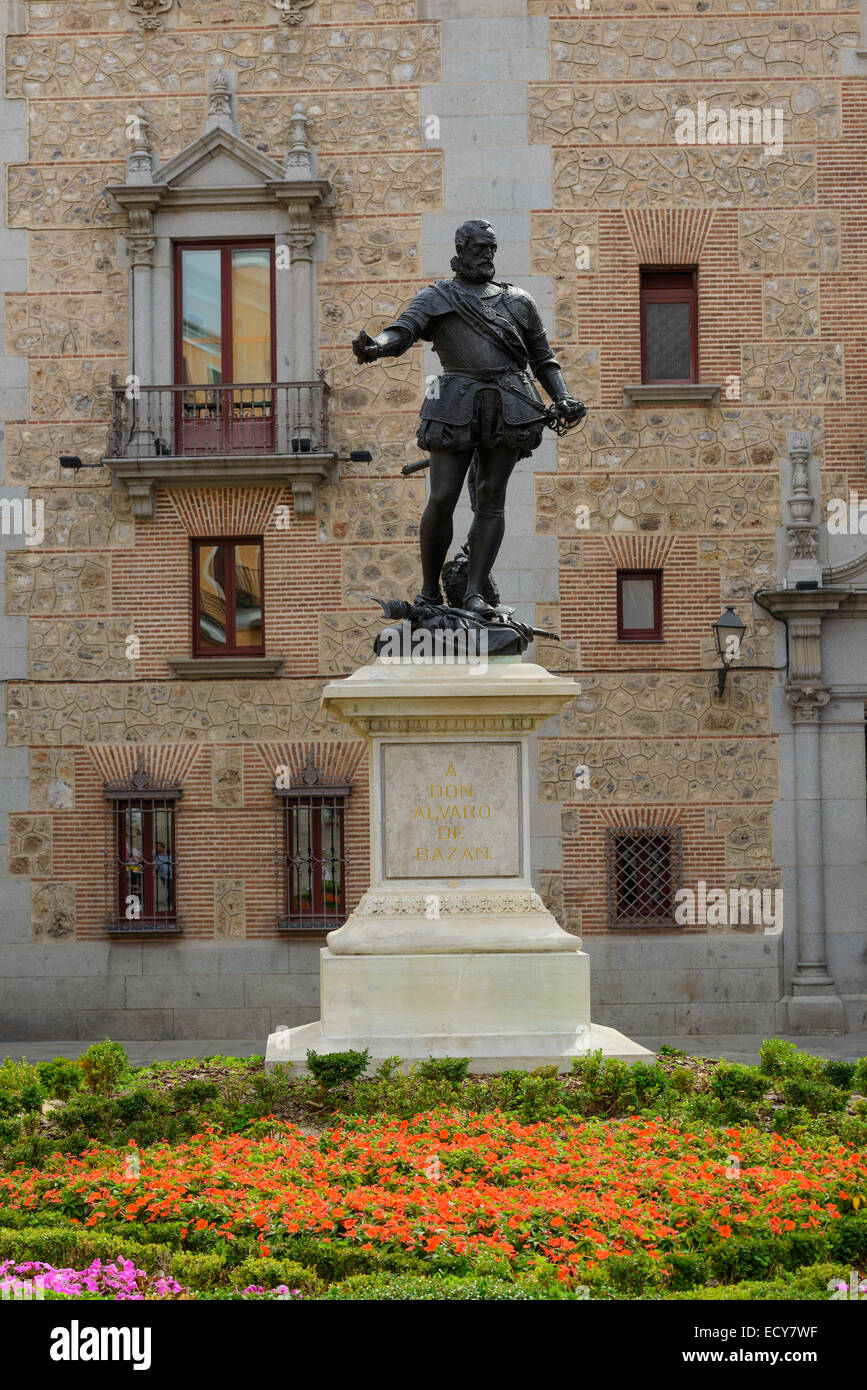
(141, 854)
(644, 871)
(312, 862)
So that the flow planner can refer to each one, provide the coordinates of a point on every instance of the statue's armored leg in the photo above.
(447, 473)
(471, 481)
(494, 468)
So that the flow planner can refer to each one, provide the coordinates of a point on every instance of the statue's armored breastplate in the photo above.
(460, 347)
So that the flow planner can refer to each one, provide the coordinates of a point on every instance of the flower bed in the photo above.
(117, 1281)
(570, 1195)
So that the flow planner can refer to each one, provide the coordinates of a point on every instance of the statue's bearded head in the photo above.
(476, 246)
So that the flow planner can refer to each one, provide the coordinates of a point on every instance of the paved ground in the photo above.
(741, 1047)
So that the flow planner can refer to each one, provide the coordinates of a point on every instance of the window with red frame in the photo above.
(313, 851)
(228, 598)
(639, 605)
(224, 335)
(146, 867)
(224, 304)
(669, 326)
(141, 853)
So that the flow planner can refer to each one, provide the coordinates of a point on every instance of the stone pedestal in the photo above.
(451, 952)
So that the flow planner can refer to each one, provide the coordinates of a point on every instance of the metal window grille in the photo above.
(644, 870)
(311, 855)
(141, 886)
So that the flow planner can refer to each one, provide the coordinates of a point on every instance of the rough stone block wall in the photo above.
(558, 125)
(694, 489)
(81, 709)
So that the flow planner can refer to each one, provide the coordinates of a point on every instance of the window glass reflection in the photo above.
(201, 312)
(248, 595)
(212, 595)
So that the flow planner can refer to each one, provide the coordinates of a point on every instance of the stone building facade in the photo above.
(352, 136)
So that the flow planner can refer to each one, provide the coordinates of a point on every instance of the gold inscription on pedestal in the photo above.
(451, 801)
(451, 809)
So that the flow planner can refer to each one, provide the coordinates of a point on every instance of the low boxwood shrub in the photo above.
(840, 1073)
(403, 1287)
(687, 1269)
(810, 1284)
(197, 1271)
(270, 1273)
(17, 1076)
(195, 1091)
(136, 1104)
(335, 1068)
(70, 1246)
(29, 1098)
(813, 1094)
(847, 1239)
(103, 1065)
(333, 1260)
(730, 1080)
(631, 1276)
(84, 1115)
(744, 1257)
(605, 1083)
(60, 1077)
(779, 1059)
(450, 1069)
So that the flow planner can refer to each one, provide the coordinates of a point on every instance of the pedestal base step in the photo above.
(488, 1052)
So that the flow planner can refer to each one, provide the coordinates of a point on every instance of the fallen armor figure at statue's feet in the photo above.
(473, 614)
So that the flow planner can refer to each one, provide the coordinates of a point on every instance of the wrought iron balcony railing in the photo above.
(288, 418)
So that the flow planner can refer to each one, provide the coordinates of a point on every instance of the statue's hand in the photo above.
(366, 349)
(570, 410)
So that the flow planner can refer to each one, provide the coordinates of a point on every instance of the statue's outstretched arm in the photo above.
(390, 343)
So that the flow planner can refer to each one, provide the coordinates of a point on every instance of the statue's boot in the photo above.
(474, 603)
(428, 596)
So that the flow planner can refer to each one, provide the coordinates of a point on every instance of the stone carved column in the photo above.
(299, 168)
(800, 490)
(813, 1004)
(140, 242)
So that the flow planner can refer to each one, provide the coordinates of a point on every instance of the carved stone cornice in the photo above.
(803, 610)
(442, 723)
(491, 919)
(483, 903)
(170, 187)
(442, 698)
(807, 702)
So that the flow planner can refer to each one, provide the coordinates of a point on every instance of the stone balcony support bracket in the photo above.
(303, 474)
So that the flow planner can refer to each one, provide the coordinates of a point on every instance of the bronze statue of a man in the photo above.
(484, 403)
